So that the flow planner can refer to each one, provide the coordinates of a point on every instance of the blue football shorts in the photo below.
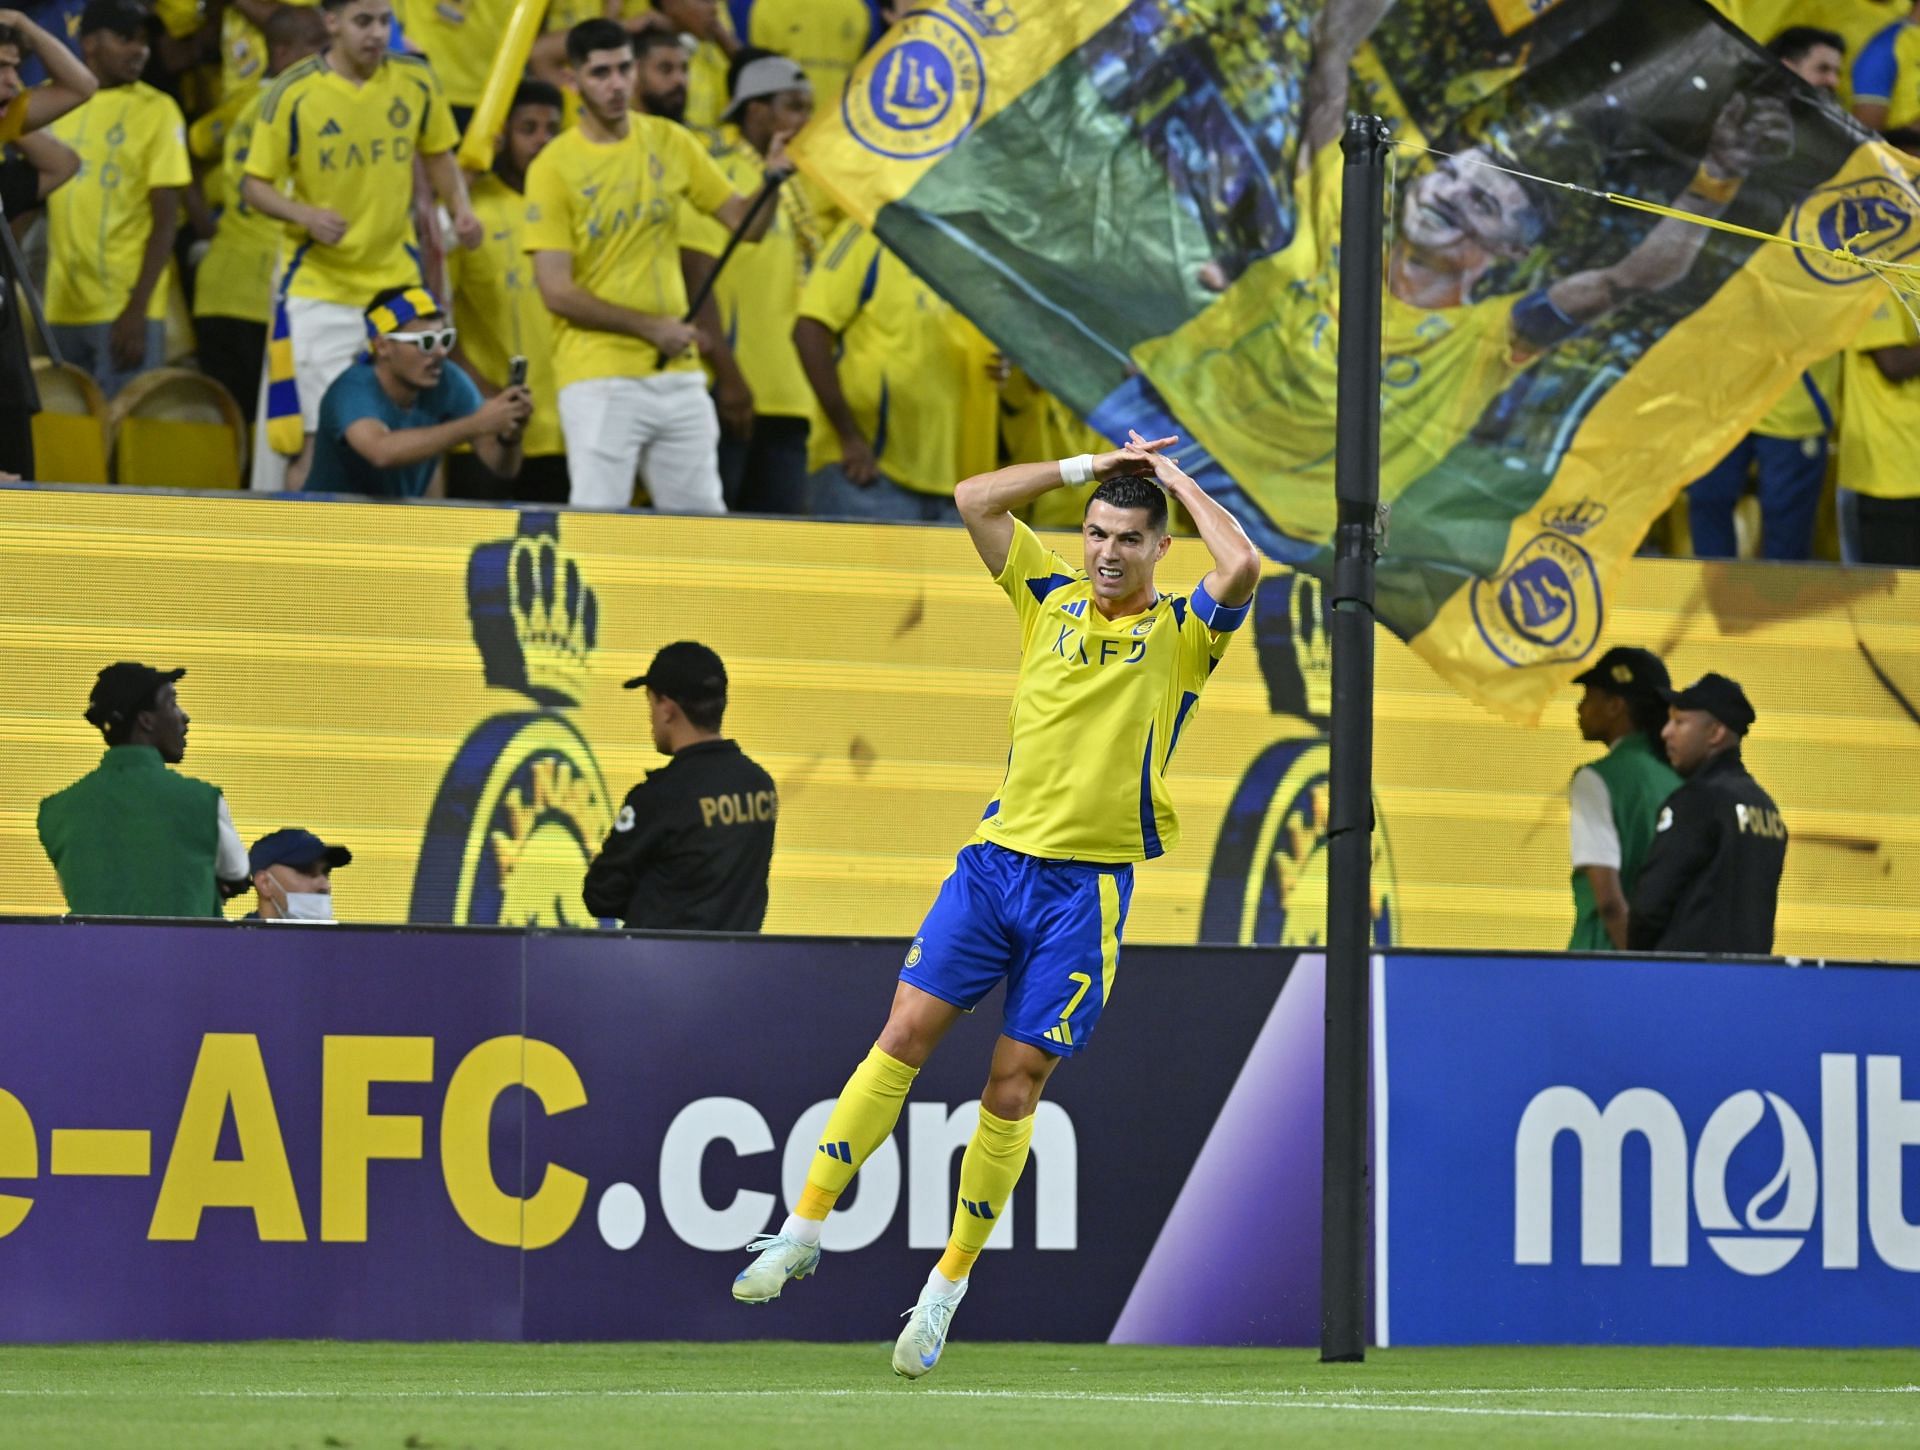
(1051, 928)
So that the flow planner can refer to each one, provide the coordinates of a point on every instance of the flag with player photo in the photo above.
(1138, 200)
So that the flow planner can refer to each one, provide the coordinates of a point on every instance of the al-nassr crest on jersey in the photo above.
(1267, 884)
(523, 806)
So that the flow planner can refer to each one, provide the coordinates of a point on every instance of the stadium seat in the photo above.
(176, 428)
(70, 430)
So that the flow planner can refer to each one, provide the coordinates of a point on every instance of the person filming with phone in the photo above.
(386, 422)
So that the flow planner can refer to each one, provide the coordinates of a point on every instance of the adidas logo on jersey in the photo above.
(332, 128)
(1078, 609)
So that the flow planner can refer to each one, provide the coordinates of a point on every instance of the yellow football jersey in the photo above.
(1262, 364)
(236, 276)
(1805, 410)
(499, 312)
(243, 50)
(461, 38)
(1887, 73)
(903, 362)
(826, 37)
(1098, 711)
(350, 149)
(1880, 420)
(759, 293)
(706, 86)
(130, 140)
(617, 210)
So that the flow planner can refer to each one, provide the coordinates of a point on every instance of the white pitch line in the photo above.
(1267, 1400)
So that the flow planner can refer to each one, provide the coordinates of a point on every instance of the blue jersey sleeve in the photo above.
(1877, 67)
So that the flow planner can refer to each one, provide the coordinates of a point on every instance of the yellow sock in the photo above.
(988, 1170)
(869, 1106)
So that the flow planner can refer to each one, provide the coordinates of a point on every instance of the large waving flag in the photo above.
(1138, 200)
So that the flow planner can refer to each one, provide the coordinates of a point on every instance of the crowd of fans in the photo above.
(527, 327)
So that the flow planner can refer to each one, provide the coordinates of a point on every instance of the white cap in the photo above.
(767, 76)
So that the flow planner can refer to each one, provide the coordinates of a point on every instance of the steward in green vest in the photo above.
(131, 837)
(1615, 801)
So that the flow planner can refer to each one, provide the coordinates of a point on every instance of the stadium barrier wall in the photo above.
(234, 1132)
(440, 688)
(1585, 1151)
(228, 1132)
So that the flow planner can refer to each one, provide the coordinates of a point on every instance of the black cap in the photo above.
(124, 690)
(291, 846)
(122, 17)
(1720, 697)
(1626, 670)
(685, 671)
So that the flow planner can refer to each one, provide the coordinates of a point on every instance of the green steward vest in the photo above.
(1638, 784)
(132, 838)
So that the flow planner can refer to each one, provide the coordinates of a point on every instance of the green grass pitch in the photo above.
(522, 1397)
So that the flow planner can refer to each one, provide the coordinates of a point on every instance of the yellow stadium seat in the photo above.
(70, 430)
(176, 428)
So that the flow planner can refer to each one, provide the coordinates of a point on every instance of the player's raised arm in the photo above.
(1236, 562)
(987, 500)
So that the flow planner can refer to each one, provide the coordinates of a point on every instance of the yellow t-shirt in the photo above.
(131, 140)
(1887, 73)
(243, 50)
(1097, 713)
(1805, 410)
(706, 86)
(350, 149)
(461, 38)
(826, 38)
(1880, 420)
(902, 362)
(499, 312)
(236, 276)
(618, 210)
(1261, 367)
(759, 293)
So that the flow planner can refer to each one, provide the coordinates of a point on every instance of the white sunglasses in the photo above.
(441, 340)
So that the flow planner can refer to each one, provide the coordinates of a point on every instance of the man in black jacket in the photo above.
(1712, 880)
(692, 845)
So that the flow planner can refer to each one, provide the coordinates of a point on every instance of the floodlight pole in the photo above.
(1357, 537)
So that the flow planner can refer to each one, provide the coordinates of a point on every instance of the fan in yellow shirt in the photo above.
(110, 231)
(233, 292)
(1879, 494)
(332, 157)
(706, 24)
(1886, 76)
(763, 445)
(604, 219)
(500, 314)
(898, 375)
(827, 37)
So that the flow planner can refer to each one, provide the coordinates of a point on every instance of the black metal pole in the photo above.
(1343, 1200)
(699, 300)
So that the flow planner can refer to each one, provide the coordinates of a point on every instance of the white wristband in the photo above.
(1077, 470)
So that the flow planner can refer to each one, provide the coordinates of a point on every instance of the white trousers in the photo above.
(661, 427)
(326, 337)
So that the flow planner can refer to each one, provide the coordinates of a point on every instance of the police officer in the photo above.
(1712, 880)
(131, 837)
(693, 843)
(1614, 802)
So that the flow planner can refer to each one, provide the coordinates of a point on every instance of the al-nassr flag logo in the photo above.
(1139, 202)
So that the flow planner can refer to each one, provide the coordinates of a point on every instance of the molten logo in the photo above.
(1773, 1225)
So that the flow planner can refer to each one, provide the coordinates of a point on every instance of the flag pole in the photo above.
(1357, 540)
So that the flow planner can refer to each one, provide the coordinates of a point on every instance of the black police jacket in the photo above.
(1712, 879)
(691, 847)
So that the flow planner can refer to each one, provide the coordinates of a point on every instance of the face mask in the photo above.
(309, 906)
(305, 906)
